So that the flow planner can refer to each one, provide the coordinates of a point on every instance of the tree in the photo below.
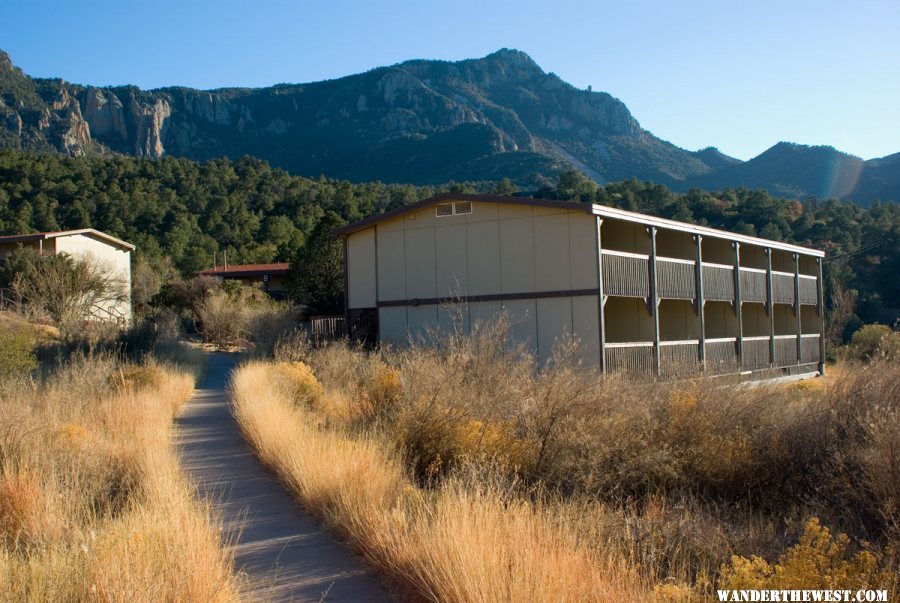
(68, 290)
(575, 185)
(316, 277)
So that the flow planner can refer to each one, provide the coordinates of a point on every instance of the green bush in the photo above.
(875, 341)
(16, 351)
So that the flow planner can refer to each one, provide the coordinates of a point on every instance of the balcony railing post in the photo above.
(699, 302)
(600, 297)
(770, 305)
(797, 307)
(737, 303)
(820, 307)
(654, 297)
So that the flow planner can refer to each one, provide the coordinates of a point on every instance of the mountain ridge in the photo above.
(419, 121)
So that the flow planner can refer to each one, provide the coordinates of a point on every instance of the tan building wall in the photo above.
(115, 261)
(498, 249)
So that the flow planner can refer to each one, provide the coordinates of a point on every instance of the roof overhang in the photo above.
(630, 216)
(90, 232)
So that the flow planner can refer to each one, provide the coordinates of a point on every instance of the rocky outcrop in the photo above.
(66, 126)
(104, 113)
(149, 122)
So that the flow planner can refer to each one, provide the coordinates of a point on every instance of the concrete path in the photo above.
(285, 554)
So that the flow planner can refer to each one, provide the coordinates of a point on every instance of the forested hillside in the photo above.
(187, 211)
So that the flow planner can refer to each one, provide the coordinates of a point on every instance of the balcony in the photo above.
(810, 350)
(679, 358)
(756, 353)
(626, 274)
(782, 287)
(632, 357)
(676, 279)
(722, 356)
(753, 285)
(718, 282)
(809, 292)
(785, 350)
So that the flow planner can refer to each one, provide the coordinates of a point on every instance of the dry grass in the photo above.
(453, 543)
(93, 505)
(671, 485)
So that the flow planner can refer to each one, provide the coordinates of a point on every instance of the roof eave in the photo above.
(622, 214)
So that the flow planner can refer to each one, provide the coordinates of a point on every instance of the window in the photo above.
(443, 210)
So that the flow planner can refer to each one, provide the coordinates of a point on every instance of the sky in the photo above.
(735, 74)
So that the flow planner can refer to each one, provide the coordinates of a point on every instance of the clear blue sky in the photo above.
(738, 75)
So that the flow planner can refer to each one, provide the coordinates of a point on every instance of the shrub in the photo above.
(818, 561)
(17, 355)
(271, 324)
(873, 341)
(301, 384)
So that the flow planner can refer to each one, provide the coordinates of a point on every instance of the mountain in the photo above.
(790, 170)
(422, 122)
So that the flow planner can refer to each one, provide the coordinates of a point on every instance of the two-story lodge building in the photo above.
(640, 293)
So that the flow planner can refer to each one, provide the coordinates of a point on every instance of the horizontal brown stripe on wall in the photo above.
(431, 301)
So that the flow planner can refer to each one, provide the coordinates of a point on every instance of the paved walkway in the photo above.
(285, 554)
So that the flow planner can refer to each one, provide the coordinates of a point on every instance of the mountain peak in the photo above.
(513, 57)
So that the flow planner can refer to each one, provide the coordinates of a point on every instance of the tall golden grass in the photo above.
(93, 505)
(459, 542)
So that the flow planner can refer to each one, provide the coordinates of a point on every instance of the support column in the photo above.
(797, 308)
(700, 301)
(737, 304)
(770, 305)
(820, 306)
(346, 289)
(601, 299)
(654, 298)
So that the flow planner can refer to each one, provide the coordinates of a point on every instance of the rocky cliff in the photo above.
(419, 122)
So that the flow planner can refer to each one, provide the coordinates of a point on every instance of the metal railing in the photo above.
(676, 279)
(809, 291)
(679, 358)
(753, 285)
(809, 349)
(634, 357)
(721, 355)
(718, 282)
(626, 274)
(326, 327)
(782, 288)
(785, 350)
(109, 314)
(756, 353)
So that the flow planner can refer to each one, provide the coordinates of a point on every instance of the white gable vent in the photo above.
(442, 210)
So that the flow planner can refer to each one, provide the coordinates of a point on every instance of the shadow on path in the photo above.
(285, 554)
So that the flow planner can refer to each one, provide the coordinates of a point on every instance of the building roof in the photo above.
(588, 208)
(90, 232)
(246, 270)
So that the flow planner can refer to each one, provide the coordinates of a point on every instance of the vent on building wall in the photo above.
(443, 210)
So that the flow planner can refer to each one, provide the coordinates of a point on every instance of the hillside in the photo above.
(419, 122)
(182, 213)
